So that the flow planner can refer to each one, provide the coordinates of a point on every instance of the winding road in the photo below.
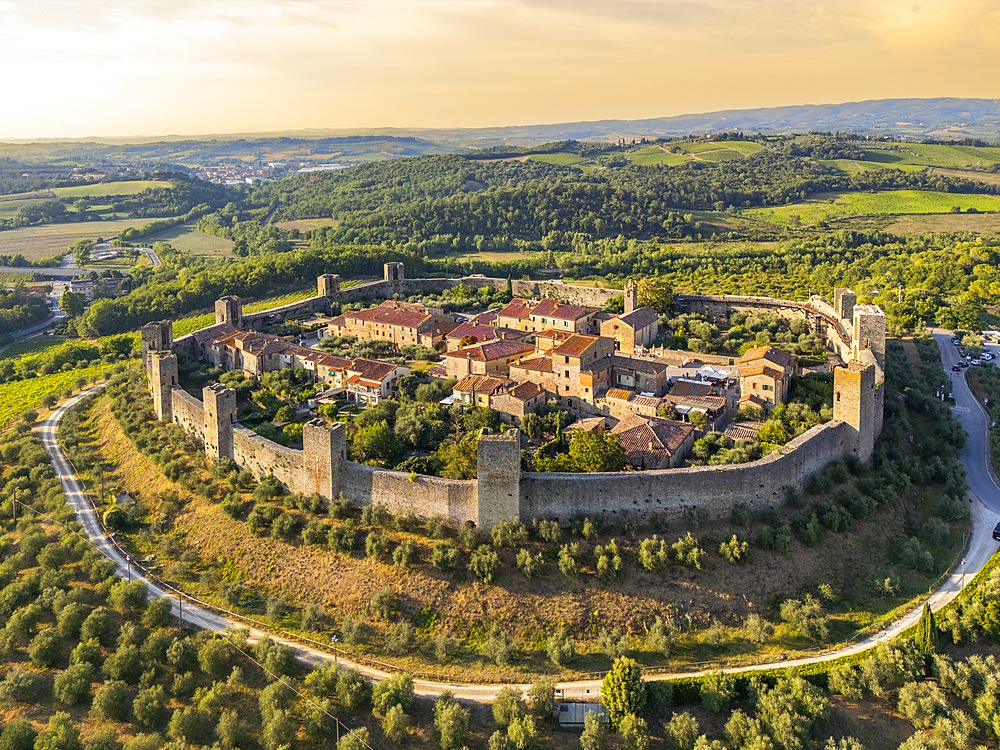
(985, 506)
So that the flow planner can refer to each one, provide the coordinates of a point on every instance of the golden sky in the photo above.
(158, 67)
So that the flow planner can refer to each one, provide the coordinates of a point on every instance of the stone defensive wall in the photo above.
(501, 491)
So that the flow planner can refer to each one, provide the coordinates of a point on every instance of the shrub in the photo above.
(376, 545)
(444, 555)
(609, 560)
(687, 552)
(497, 647)
(660, 636)
(653, 553)
(717, 690)
(507, 707)
(341, 536)
(395, 690)
(622, 691)
(72, 686)
(529, 565)
(757, 629)
(777, 538)
(483, 563)
(922, 703)
(634, 732)
(735, 549)
(405, 554)
(560, 648)
(509, 534)
(111, 701)
(384, 605)
(567, 559)
(451, 723)
(805, 617)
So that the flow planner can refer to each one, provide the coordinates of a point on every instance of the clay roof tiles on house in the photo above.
(541, 363)
(371, 370)
(621, 394)
(393, 313)
(647, 440)
(649, 366)
(478, 384)
(516, 308)
(691, 388)
(743, 430)
(551, 308)
(575, 345)
(524, 391)
(769, 353)
(492, 350)
(639, 318)
(482, 333)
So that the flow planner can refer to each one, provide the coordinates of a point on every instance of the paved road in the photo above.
(150, 253)
(985, 513)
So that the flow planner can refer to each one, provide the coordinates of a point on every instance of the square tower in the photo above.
(631, 296)
(220, 416)
(394, 275)
(869, 332)
(499, 474)
(156, 337)
(855, 398)
(844, 301)
(162, 381)
(328, 285)
(229, 310)
(325, 450)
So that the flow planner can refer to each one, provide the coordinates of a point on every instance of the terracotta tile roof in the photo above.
(590, 424)
(639, 318)
(575, 345)
(761, 369)
(621, 394)
(650, 366)
(709, 403)
(371, 370)
(524, 391)
(482, 333)
(743, 430)
(516, 308)
(650, 402)
(551, 308)
(648, 440)
(541, 363)
(391, 312)
(552, 333)
(691, 388)
(491, 351)
(769, 353)
(753, 399)
(478, 384)
(488, 318)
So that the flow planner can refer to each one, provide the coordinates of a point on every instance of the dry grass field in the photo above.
(307, 225)
(35, 243)
(188, 239)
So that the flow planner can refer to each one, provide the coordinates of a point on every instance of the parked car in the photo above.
(956, 368)
(976, 362)
(996, 532)
(987, 356)
(956, 342)
(963, 364)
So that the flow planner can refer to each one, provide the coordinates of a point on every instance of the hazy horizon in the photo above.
(153, 68)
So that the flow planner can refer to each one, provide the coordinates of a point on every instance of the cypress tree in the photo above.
(927, 632)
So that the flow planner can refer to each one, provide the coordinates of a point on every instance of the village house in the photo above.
(654, 443)
(494, 358)
(523, 315)
(514, 400)
(476, 390)
(632, 331)
(402, 323)
(368, 381)
(766, 373)
(645, 375)
(471, 333)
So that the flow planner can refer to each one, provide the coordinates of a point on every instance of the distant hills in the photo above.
(913, 119)
(944, 118)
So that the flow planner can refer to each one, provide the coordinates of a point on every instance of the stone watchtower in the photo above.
(631, 295)
(229, 310)
(869, 332)
(854, 403)
(156, 337)
(220, 416)
(162, 372)
(324, 451)
(844, 301)
(499, 475)
(328, 285)
(394, 276)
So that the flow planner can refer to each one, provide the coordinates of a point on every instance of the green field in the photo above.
(9, 209)
(94, 190)
(20, 396)
(853, 166)
(188, 239)
(561, 159)
(822, 208)
(35, 243)
(655, 155)
(934, 155)
(31, 346)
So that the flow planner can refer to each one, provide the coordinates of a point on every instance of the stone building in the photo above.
(493, 358)
(766, 372)
(654, 443)
(402, 323)
(632, 331)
